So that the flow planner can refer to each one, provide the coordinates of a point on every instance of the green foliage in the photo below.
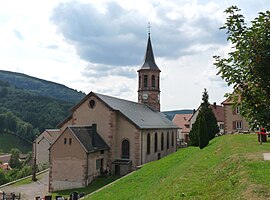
(3, 178)
(202, 132)
(9, 141)
(208, 116)
(229, 168)
(25, 114)
(41, 87)
(211, 121)
(247, 66)
(14, 161)
(193, 134)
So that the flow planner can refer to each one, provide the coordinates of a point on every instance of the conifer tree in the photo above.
(202, 132)
(210, 122)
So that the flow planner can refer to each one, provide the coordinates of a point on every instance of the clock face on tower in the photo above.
(145, 96)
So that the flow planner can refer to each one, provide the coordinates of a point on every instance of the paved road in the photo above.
(32, 190)
(5, 158)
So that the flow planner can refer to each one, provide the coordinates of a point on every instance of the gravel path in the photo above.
(32, 190)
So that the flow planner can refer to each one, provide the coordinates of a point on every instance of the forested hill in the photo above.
(27, 113)
(41, 87)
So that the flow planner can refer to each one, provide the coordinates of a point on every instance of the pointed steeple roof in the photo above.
(149, 59)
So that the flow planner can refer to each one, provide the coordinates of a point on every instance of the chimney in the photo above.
(215, 105)
(94, 128)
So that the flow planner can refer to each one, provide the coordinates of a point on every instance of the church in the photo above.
(104, 134)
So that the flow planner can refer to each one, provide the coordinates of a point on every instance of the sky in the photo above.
(91, 45)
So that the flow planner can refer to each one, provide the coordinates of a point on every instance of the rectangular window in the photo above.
(145, 81)
(221, 126)
(237, 110)
(172, 139)
(65, 140)
(70, 141)
(239, 125)
(98, 164)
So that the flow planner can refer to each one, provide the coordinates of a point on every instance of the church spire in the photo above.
(149, 59)
(148, 90)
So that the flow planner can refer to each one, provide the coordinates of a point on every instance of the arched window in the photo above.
(148, 144)
(168, 139)
(145, 80)
(125, 149)
(172, 139)
(156, 142)
(153, 81)
(162, 141)
(140, 81)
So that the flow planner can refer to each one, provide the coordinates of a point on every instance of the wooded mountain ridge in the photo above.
(29, 105)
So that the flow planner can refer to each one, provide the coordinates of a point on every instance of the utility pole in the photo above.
(34, 167)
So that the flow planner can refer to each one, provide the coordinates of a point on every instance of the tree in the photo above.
(202, 132)
(14, 158)
(193, 134)
(210, 120)
(247, 67)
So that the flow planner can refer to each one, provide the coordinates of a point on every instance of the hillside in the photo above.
(170, 114)
(22, 111)
(231, 167)
(41, 87)
(7, 142)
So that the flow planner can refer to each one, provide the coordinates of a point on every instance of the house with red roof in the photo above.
(182, 121)
(218, 111)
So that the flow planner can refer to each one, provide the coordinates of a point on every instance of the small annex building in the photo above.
(105, 133)
(41, 147)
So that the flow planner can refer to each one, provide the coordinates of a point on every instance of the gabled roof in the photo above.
(149, 59)
(89, 138)
(142, 116)
(50, 135)
(218, 112)
(182, 121)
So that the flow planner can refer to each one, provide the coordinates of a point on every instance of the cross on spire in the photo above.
(148, 28)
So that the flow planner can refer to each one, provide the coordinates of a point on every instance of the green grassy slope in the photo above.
(231, 167)
(7, 142)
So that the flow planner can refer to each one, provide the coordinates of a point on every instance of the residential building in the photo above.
(218, 111)
(182, 121)
(233, 120)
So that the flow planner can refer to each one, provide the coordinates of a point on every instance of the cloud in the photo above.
(100, 70)
(18, 34)
(117, 36)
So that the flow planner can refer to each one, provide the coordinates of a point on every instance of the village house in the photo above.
(108, 134)
(41, 146)
(233, 121)
(218, 111)
(182, 121)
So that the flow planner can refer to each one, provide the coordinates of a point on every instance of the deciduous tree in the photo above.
(247, 66)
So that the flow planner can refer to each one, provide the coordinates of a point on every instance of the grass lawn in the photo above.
(230, 167)
(7, 142)
(95, 185)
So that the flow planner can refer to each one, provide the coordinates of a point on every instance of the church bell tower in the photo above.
(148, 92)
